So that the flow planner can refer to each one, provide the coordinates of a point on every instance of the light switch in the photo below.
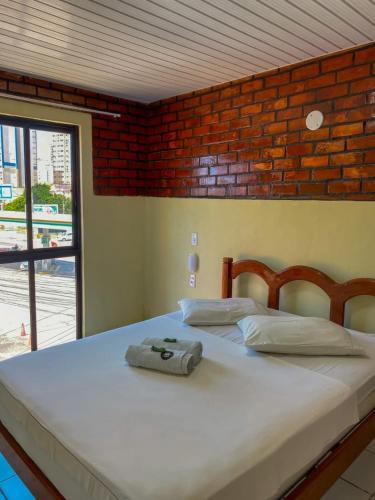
(192, 281)
(194, 239)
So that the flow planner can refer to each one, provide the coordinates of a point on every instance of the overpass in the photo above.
(59, 222)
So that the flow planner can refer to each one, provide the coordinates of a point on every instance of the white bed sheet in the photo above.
(238, 427)
(356, 372)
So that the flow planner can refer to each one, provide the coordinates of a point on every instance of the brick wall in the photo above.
(119, 144)
(245, 139)
(248, 138)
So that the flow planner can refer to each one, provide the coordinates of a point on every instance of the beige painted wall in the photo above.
(112, 234)
(336, 237)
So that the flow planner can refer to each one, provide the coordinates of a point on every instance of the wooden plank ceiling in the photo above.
(150, 49)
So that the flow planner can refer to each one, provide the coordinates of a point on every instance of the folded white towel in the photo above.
(193, 347)
(163, 360)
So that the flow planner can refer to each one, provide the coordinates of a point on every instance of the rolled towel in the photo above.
(161, 359)
(193, 347)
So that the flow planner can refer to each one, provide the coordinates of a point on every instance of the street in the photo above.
(55, 298)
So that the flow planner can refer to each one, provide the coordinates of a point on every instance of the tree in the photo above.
(41, 195)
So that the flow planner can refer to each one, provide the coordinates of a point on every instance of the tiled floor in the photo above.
(11, 486)
(358, 482)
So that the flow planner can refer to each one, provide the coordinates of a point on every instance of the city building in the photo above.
(60, 158)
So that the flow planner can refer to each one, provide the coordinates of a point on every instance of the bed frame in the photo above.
(320, 477)
(329, 468)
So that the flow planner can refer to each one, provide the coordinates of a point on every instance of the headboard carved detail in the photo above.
(339, 293)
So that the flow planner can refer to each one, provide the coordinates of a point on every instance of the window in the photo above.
(40, 243)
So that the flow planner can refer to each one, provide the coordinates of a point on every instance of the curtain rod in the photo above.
(58, 105)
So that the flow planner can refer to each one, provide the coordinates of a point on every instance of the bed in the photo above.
(239, 427)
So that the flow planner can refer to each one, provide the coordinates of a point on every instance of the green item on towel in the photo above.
(170, 340)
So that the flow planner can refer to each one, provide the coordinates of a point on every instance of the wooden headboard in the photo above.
(339, 293)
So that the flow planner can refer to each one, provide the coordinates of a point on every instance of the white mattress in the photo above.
(358, 373)
(66, 406)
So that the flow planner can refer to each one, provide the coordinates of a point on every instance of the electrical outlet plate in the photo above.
(194, 239)
(192, 281)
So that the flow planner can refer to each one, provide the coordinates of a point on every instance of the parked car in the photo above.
(68, 236)
(24, 266)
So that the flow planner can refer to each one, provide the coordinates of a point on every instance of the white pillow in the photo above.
(297, 335)
(219, 311)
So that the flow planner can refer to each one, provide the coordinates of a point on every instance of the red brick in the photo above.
(49, 94)
(314, 161)
(96, 103)
(286, 163)
(273, 152)
(231, 114)
(242, 100)
(351, 129)
(251, 132)
(251, 109)
(218, 148)
(252, 85)
(338, 62)
(292, 88)
(315, 135)
(195, 192)
(22, 88)
(259, 190)
(275, 128)
(192, 102)
(365, 55)
(321, 81)
(249, 155)
(246, 178)
(346, 158)
(297, 124)
(361, 142)
(238, 168)
(363, 85)
(326, 174)
(338, 187)
(284, 189)
(368, 186)
(269, 176)
(237, 191)
(312, 188)
(306, 71)
(258, 142)
(297, 175)
(227, 158)
(299, 149)
(285, 139)
(350, 101)
(303, 98)
(263, 118)
(370, 156)
(333, 91)
(264, 165)
(265, 95)
(287, 114)
(221, 105)
(216, 191)
(359, 171)
(210, 97)
(278, 79)
(353, 73)
(226, 179)
(275, 105)
(230, 92)
(330, 146)
(207, 181)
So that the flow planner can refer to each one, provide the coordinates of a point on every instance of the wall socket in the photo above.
(194, 239)
(192, 281)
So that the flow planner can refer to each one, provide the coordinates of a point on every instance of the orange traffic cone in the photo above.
(23, 330)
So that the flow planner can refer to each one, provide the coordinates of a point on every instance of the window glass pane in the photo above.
(12, 190)
(51, 179)
(14, 310)
(55, 301)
